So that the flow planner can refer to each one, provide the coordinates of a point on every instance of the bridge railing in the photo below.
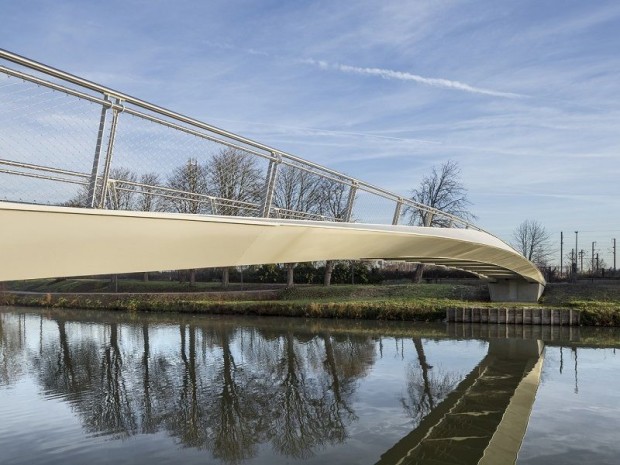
(65, 140)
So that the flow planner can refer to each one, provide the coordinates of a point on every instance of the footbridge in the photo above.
(94, 181)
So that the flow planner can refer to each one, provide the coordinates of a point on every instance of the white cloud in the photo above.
(404, 76)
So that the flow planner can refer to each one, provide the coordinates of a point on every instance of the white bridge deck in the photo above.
(44, 241)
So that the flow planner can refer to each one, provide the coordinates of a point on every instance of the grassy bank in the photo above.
(599, 304)
(354, 302)
(423, 302)
(94, 285)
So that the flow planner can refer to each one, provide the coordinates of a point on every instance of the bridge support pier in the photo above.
(515, 290)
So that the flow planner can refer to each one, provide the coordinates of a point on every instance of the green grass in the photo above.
(599, 303)
(566, 293)
(79, 285)
(347, 293)
(378, 310)
(420, 302)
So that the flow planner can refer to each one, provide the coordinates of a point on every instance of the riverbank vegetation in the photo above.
(426, 302)
(598, 302)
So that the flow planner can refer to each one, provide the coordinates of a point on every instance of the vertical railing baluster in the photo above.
(92, 186)
(350, 201)
(116, 110)
(112, 195)
(399, 206)
(270, 184)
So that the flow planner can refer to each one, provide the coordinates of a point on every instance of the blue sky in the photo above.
(524, 95)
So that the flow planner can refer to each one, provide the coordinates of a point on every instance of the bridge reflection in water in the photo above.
(230, 386)
(483, 420)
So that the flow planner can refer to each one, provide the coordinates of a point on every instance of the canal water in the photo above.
(81, 387)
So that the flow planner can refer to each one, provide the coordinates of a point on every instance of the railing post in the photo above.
(349, 211)
(270, 184)
(399, 206)
(92, 187)
(427, 218)
(112, 195)
(109, 152)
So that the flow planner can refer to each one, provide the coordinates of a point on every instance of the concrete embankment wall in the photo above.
(518, 316)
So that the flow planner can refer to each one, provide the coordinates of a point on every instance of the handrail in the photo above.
(270, 152)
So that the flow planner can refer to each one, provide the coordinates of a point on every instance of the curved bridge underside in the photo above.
(42, 241)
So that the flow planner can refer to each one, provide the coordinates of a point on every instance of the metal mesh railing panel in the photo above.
(46, 191)
(45, 141)
(45, 126)
(152, 159)
(185, 172)
(371, 208)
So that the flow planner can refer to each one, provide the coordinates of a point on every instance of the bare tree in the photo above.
(334, 202)
(532, 240)
(441, 190)
(234, 175)
(335, 197)
(120, 192)
(122, 189)
(148, 200)
(191, 179)
(296, 191)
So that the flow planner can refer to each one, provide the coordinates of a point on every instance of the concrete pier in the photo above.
(515, 290)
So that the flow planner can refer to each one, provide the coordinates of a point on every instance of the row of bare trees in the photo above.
(231, 182)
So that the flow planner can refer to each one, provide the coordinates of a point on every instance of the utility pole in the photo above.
(581, 254)
(614, 241)
(597, 262)
(594, 242)
(576, 248)
(562, 252)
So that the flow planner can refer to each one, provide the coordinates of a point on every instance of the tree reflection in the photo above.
(12, 348)
(298, 421)
(68, 369)
(148, 422)
(238, 421)
(346, 360)
(313, 411)
(112, 410)
(223, 389)
(184, 422)
(426, 386)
